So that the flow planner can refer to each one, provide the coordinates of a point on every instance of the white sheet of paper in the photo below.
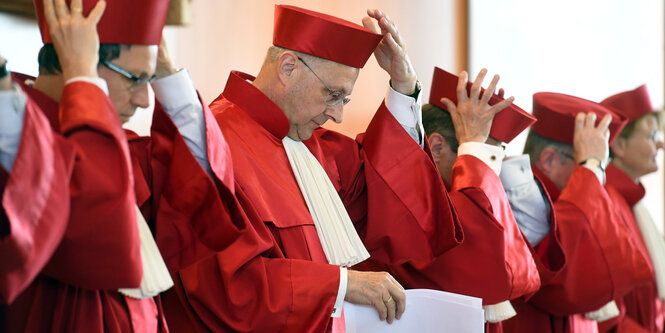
(426, 311)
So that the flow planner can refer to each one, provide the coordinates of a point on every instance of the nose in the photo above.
(141, 97)
(335, 112)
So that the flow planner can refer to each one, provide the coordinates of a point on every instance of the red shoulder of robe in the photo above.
(35, 203)
(641, 307)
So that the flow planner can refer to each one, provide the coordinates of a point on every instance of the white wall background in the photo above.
(591, 49)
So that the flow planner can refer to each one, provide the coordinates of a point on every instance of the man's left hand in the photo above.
(165, 65)
(391, 52)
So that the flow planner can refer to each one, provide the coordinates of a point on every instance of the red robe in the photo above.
(35, 203)
(77, 291)
(503, 267)
(641, 309)
(280, 280)
(585, 261)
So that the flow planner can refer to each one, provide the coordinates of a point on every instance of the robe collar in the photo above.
(47, 104)
(552, 190)
(256, 104)
(629, 190)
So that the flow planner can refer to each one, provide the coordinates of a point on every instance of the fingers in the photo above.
(477, 85)
(49, 13)
(580, 119)
(605, 122)
(501, 92)
(498, 107)
(487, 94)
(97, 12)
(461, 87)
(590, 120)
(390, 307)
(76, 7)
(399, 298)
(450, 106)
(370, 24)
(61, 9)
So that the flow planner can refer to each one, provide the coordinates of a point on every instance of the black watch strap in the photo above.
(3, 70)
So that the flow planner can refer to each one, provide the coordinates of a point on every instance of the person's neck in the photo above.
(51, 85)
(623, 167)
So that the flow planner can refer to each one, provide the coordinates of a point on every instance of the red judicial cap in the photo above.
(556, 115)
(632, 103)
(323, 36)
(507, 124)
(138, 22)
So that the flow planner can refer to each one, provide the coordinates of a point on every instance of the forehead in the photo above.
(339, 76)
(138, 59)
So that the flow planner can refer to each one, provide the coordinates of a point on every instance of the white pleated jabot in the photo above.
(654, 242)
(156, 277)
(339, 239)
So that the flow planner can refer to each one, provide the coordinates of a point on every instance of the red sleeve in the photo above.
(35, 203)
(601, 260)
(250, 287)
(100, 249)
(502, 269)
(195, 215)
(420, 222)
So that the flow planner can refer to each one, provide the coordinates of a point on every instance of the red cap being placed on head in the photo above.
(323, 36)
(137, 22)
(632, 103)
(506, 125)
(556, 116)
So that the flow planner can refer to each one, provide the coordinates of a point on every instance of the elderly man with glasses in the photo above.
(106, 269)
(321, 202)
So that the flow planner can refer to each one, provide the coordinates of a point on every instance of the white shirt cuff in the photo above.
(175, 91)
(490, 155)
(339, 302)
(408, 112)
(516, 171)
(98, 81)
(598, 172)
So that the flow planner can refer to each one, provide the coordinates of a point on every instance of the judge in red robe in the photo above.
(633, 156)
(583, 254)
(289, 278)
(34, 182)
(101, 260)
(503, 268)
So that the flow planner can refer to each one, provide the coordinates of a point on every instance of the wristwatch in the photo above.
(594, 162)
(3, 70)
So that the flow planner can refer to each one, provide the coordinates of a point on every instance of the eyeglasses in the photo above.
(563, 153)
(334, 96)
(137, 82)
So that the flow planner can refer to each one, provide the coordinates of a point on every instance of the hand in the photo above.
(590, 141)
(473, 115)
(391, 53)
(378, 289)
(164, 63)
(74, 37)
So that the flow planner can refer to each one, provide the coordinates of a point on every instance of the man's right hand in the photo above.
(74, 37)
(378, 289)
(590, 141)
(473, 115)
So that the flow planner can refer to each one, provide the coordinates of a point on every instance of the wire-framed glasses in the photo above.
(137, 82)
(334, 96)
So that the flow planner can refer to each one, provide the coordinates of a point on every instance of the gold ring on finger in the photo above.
(390, 299)
(77, 9)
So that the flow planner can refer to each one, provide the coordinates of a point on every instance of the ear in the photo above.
(286, 64)
(547, 159)
(439, 146)
(618, 147)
